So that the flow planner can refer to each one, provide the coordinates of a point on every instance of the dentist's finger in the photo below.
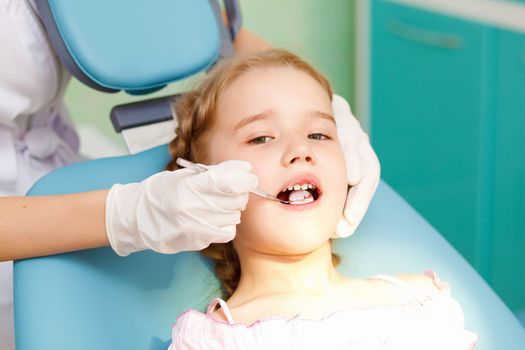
(360, 195)
(237, 182)
(354, 171)
(344, 229)
(234, 176)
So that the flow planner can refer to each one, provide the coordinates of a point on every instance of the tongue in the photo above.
(296, 196)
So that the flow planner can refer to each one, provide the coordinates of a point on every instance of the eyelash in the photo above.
(253, 141)
(323, 135)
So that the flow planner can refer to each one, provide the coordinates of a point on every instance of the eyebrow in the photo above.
(323, 115)
(269, 113)
(253, 118)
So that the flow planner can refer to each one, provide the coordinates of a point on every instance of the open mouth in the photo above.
(300, 193)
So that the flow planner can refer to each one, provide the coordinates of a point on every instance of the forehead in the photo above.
(283, 90)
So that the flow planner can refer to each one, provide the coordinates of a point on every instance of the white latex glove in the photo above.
(362, 167)
(180, 210)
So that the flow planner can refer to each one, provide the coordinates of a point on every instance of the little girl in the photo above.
(281, 287)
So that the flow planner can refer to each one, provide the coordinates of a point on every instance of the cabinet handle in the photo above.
(425, 36)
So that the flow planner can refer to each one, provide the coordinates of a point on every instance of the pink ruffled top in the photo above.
(435, 322)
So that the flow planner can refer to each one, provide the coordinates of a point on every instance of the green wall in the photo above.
(320, 31)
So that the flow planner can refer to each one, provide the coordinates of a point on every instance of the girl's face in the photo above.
(280, 120)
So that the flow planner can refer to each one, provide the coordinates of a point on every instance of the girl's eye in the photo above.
(260, 139)
(318, 136)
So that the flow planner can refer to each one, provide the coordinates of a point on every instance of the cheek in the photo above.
(264, 171)
(341, 170)
(342, 186)
(254, 228)
(221, 148)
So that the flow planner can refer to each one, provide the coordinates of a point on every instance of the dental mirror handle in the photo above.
(265, 194)
(190, 165)
(201, 167)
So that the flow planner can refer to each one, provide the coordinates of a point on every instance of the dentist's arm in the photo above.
(169, 212)
(37, 226)
(246, 40)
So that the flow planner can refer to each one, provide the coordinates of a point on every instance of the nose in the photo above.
(298, 150)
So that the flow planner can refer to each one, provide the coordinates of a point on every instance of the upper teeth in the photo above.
(298, 187)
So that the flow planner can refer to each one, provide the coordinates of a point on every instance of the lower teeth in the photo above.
(304, 201)
(300, 197)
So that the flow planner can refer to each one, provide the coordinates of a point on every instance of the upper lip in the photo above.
(302, 178)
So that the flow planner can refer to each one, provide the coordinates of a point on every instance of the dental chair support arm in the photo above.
(145, 124)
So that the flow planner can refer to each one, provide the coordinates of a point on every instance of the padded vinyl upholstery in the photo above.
(135, 48)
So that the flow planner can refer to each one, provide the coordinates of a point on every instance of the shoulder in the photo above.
(380, 290)
(403, 288)
(423, 284)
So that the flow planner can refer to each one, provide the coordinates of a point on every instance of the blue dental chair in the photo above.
(94, 299)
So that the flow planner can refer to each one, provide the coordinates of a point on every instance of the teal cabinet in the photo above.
(425, 124)
(448, 125)
(508, 239)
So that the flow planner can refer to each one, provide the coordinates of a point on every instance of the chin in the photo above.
(269, 226)
(297, 238)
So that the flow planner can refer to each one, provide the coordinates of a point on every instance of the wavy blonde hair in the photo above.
(195, 113)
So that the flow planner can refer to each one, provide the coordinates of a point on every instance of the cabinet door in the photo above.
(508, 258)
(427, 116)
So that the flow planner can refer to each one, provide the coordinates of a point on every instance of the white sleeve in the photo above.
(31, 77)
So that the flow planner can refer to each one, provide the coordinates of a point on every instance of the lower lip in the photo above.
(306, 206)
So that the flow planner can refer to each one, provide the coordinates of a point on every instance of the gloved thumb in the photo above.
(234, 165)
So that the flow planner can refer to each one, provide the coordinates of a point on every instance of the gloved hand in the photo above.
(179, 210)
(362, 167)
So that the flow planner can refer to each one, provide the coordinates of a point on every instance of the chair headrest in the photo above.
(138, 46)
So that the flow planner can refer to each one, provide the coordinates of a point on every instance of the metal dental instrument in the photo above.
(200, 168)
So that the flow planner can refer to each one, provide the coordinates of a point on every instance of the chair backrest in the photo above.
(137, 46)
(95, 299)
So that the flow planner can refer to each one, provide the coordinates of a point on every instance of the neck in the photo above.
(269, 274)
